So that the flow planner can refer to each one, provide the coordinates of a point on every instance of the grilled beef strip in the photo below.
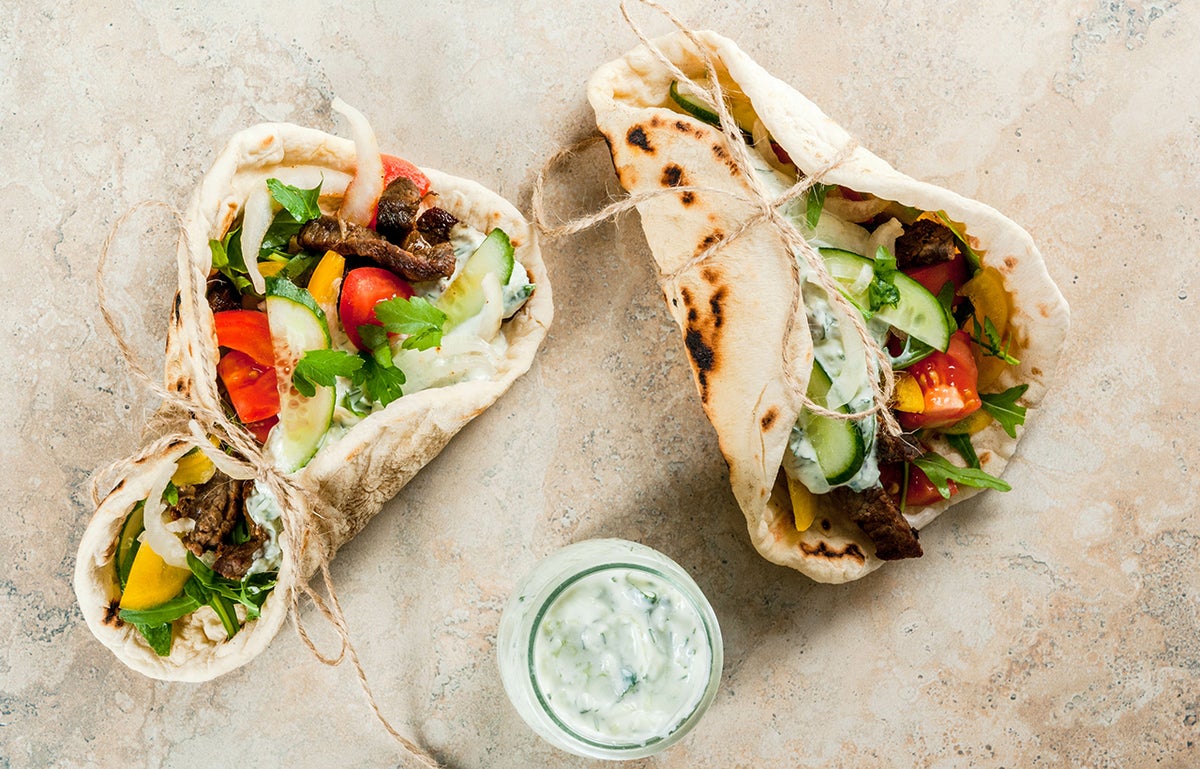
(435, 224)
(233, 561)
(328, 234)
(215, 507)
(396, 214)
(896, 448)
(222, 295)
(925, 242)
(878, 515)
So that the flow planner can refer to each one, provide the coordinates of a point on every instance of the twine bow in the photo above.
(767, 208)
(183, 419)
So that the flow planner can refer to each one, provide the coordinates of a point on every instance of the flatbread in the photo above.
(733, 308)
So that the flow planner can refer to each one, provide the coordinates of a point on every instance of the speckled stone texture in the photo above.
(1055, 625)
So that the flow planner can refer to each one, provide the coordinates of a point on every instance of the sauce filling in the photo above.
(620, 656)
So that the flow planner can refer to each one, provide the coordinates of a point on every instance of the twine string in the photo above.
(186, 419)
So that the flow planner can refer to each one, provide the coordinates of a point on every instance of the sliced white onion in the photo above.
(855, 210)
(884, 235)
(256, 219)
(162, 540)
(358, 206)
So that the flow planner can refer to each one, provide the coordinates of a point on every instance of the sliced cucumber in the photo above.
(464, 298)
(127, 543)
(701, 112)
(918, 313)
(297, 325)
(838, 443)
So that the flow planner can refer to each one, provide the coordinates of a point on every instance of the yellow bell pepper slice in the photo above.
(322, 284)
(988, 297)
(907, 396)
(193, 469)
(269, 268)
(969, 425)
(804, 504)
(152, 581)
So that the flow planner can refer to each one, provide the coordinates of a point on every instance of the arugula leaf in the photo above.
(298, 265)
(322, 367)
(988, 339)
(939, 470)
(171, 494)
(815, 198)
(158, 636)
(251, 592)
(301, 204)
(1004, 409)
(415, 317)
(381, 383)
(962, 444)
(882, 290)
(177, 607)
(227, 259)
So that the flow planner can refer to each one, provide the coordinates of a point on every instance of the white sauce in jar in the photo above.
(621, 655)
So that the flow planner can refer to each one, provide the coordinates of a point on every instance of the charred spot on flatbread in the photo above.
(768, 419)
(722, 155)
(710, 240)
(701, 333)
(714, 304)
(822, 549)
(636, 137)
(687, 198)
(672, 176)
(112, 613)
(627, 176)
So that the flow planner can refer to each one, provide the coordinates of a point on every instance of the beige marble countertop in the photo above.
(1056, 625)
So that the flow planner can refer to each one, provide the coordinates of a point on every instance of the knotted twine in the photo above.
(183, 419)
(767, 212)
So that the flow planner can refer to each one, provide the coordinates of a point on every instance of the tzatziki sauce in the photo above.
(621, 654)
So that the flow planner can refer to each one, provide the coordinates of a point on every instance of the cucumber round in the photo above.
(464, 298)
(297, 326)
(701, 112)
(838, 443)
(918, 313)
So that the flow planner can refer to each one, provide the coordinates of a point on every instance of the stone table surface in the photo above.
(1056, 625)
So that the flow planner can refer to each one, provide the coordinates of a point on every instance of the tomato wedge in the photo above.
(948, 382)
(934, 276)
(362, 289)
(251, 386)
(921, 491)
(394, 167)
(245, 331)
(261, 429)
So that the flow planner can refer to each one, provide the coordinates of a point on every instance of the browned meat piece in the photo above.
(328, 234)
(215, 506)
(896, 448)
(417, 245)
(435, 225)
(925, 242)
(879, 517)
(222, 295)
(233, 561)
(396, 214)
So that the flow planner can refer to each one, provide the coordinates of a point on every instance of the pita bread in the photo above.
(733, 308)
(349, 478)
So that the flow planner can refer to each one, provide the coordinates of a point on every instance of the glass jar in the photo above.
(608, 649)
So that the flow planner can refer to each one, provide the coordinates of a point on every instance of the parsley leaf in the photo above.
(939, 470)
(882, 290)
(962, 444)
(322, 367)
(988, 339)
(301, 204)
(376, 340)
(381, 383)
(1004, 409)
(171, 494)
(227, 259)
(419, 320)
(815, 198)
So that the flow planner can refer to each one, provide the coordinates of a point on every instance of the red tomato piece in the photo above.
(394, 167)
(934, 276)
(362, 289)
(921, 491)
(948, 381)
(245, 331)
(262, 428)
(251, 386)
